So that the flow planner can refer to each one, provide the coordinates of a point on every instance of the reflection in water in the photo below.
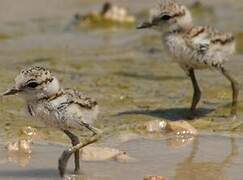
(188, 169)
(20, 151)
(19, 158)
(205, 158)
(83, 177)
(180, 140)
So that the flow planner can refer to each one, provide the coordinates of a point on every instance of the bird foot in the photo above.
(77, 171)
(62, 163)
(192, 115)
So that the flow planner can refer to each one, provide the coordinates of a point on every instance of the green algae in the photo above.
(4, 36)
(132, 83)
(94, 21)
(239, 39)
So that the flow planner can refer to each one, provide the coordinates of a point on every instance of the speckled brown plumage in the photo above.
(64, 109)
(193, 47)
(75, 96)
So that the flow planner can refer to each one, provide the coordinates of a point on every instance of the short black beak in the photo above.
(144, 25)
(11, 91)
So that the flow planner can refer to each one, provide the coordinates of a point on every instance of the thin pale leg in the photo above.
(67, 153)
(235, 91)
(75, 141)
(197, 92)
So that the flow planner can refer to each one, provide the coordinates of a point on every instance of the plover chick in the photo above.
(65, 109)
(193, 47)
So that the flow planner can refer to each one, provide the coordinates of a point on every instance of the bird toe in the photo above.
(77, 171)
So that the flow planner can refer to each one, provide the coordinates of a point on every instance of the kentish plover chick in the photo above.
(193, 47)
(64, 109)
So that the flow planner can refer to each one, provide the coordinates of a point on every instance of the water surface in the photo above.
(207, 157)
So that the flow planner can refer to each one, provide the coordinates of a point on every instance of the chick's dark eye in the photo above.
(32, 85)
(165, 17)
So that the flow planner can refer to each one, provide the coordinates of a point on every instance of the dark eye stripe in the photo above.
(32, 85)
(165, 17)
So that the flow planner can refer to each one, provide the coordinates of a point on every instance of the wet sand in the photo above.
(134, 82)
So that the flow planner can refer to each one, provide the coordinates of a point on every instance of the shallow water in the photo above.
(129, 75)
(207, 157)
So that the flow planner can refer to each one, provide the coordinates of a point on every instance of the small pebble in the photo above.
(123, 158)
(181, 128)
(28, 131)
(93, 153)
(155, 125)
